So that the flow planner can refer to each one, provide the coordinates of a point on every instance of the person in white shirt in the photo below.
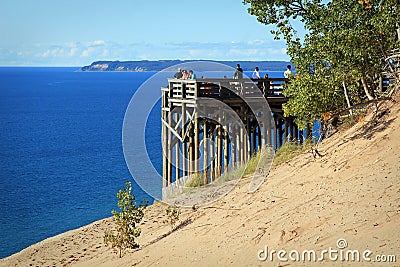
(288, 73)
(256, 74)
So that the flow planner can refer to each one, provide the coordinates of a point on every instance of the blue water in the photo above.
(61, 159)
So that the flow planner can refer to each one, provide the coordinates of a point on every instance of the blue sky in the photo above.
(78, 32)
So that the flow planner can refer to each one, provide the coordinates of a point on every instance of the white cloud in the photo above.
(72, 51)
(277, 51)
(96, 43)
(46, 54)
(256, 42)
(246, 52)
(194, 52)
(84, 53)
(105, 53)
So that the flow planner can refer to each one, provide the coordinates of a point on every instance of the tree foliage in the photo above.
(125, 220)
(345, 45)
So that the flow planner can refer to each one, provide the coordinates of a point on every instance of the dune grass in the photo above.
(260, 159)
(288, 151)
(285, 153)
(196, 181)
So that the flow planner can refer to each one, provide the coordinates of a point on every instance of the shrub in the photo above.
(173, 214)
(125, 220)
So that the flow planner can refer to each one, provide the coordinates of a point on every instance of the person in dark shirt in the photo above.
(238, 72)
(179, 74)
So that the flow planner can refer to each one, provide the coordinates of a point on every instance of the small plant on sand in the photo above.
(196, 181)
(288, 151)
(173, 214)
(252, 164)
(125, 220)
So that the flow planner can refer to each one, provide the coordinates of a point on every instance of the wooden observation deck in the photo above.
(211, 126)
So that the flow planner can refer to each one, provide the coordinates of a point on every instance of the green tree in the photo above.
(125, 220)
(343, 50)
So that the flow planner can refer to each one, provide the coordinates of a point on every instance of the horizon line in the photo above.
(138, 60)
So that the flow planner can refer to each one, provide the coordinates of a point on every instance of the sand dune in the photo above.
(351, 193)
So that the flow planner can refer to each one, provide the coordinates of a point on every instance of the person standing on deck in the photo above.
(192, 76)
(185, 75)
(238, 72)
(267, 85)
(256, 74)
(288, 73)
(178, 74)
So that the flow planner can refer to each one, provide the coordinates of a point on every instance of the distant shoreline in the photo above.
(164, 65)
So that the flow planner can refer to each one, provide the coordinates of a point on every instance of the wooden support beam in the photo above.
(259, 138)
(247, 139)
(191, 150)
(196, 145)
(226, 148)
(219, 151)
(241, 146)
(184, 147)
(292, 138)
(287, 131)
(205, 153)
(280, 133)
(254, 139)
(169, 150)
(213, 156)
(234, 147)
(267, 136)
(164, 152)
(177, 156)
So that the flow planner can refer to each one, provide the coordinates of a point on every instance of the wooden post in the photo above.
(292, 134)
(219, 150)
(184, 158)
(275, 137)
(196, 144)
(233, 148)
(164, 146)
(254, 133)
(169, 149)
(177, 156)
(296, 133)
(205, 153)
(212, 153)
(191, 148)
(267, 135)
(280, 133)
(287, 133)
(259, 138)
(248, 137)
(226, 148)
(241, 146)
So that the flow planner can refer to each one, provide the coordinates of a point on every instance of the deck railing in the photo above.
(225, 88)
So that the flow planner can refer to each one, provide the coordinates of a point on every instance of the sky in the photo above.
(76, 32)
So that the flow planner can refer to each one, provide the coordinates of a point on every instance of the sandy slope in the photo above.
(352, 192)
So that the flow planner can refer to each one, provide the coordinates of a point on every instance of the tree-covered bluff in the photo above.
(159, 65)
